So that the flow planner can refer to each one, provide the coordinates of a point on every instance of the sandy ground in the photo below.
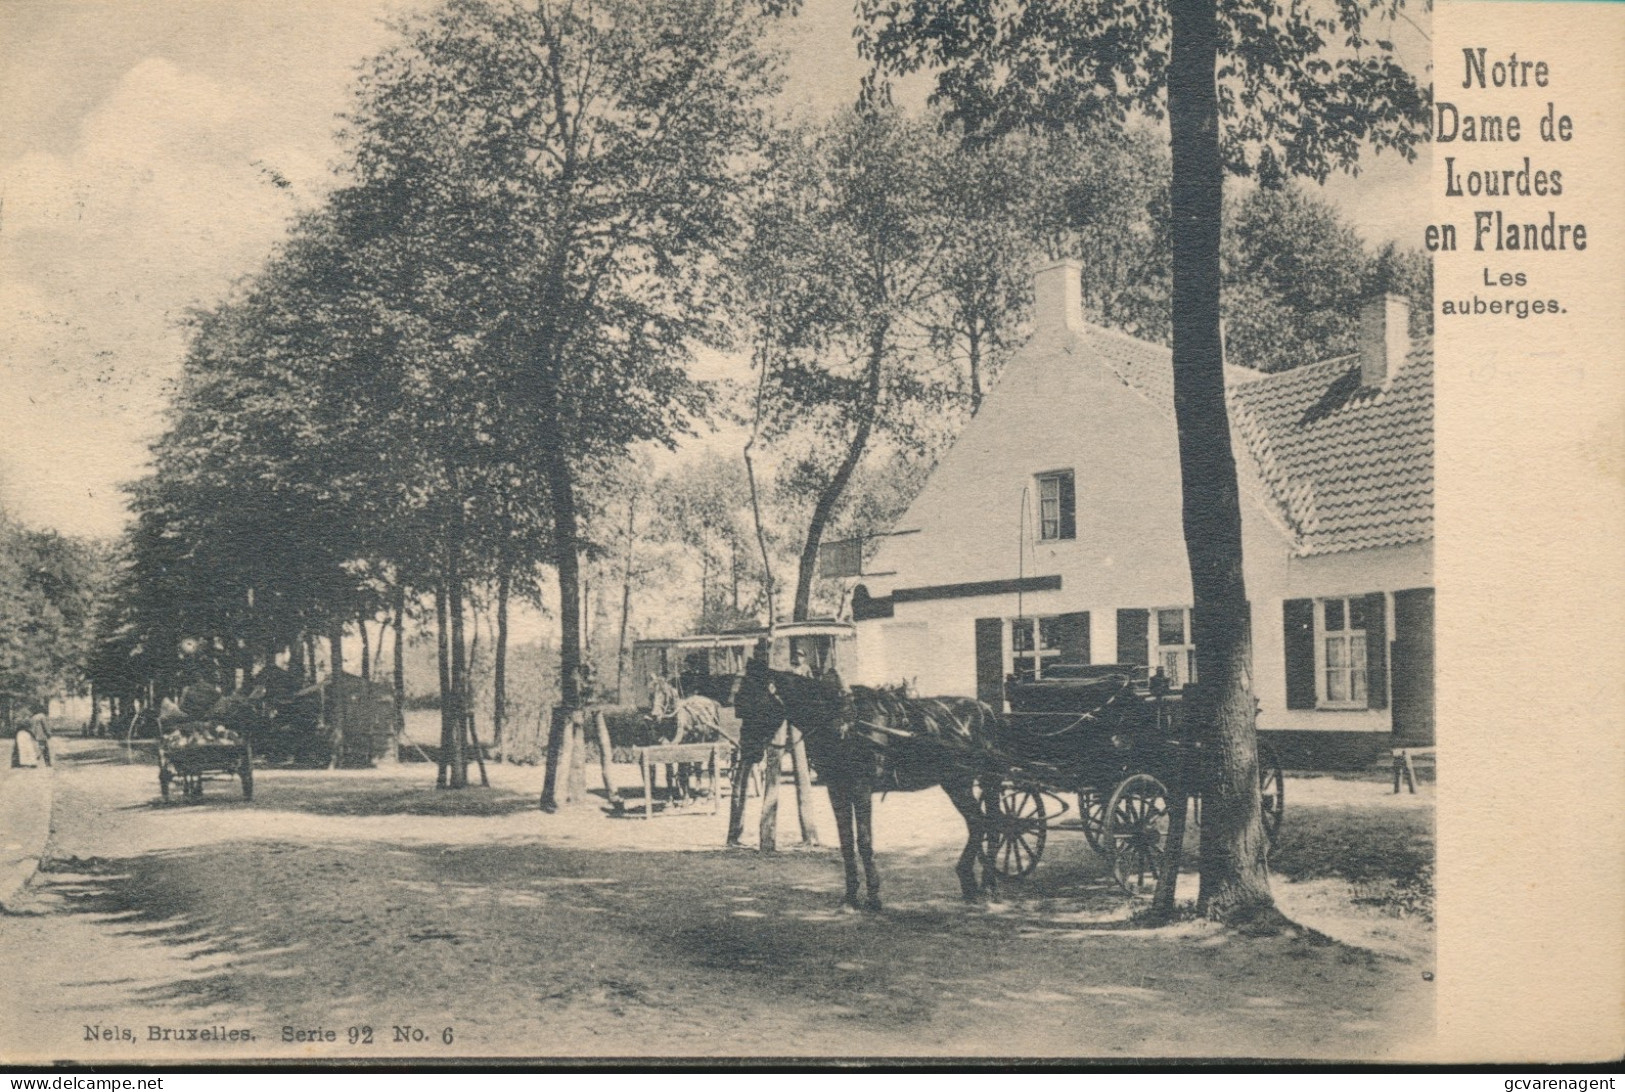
(466, 924)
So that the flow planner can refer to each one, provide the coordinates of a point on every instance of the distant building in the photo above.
(1051, 533)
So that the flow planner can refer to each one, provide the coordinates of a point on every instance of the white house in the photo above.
(1051, 532)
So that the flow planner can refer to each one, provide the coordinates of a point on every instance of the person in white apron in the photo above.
(24, 750)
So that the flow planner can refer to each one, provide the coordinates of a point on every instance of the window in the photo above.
(1057, 502)
(1336, 652)
(1343, 652)
(1029, 655)
(1175, 645)
(1028, 649)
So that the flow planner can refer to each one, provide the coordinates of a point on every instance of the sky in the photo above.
(153, 152)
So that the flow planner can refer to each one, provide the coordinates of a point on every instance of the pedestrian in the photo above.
(41, 729)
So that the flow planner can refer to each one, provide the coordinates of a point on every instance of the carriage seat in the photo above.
(1072, 688)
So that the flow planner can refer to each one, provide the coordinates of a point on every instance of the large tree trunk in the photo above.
(1235, 882)
(561, 491)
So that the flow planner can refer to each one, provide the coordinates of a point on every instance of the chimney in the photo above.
(1058, 298)
(1385, 338)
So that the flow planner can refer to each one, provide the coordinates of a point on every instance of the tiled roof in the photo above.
(1346, 467)
(1351, 467)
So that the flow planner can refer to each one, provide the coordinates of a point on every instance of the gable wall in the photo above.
(1129, 551)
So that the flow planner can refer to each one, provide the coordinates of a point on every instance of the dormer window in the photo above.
(1057, 503)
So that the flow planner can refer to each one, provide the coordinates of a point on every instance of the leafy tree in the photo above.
(1293, 276)
(1249, 87)
(596, 153)
(1295, 273)
(50, 589)
(844, 267)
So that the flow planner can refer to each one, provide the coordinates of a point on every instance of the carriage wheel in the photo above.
(1092, 810)
(1019, 828)
(245, 770)
(1137, 832)
(1271, 790)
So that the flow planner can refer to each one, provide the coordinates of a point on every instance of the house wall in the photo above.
(1128, 553)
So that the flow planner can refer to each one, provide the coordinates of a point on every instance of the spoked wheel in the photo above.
(1016, 839)
(246, 772)
(1092, 810)
(1137, 832)
(1271, 790)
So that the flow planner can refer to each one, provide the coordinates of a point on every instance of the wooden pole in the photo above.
(578, 757)
(606, 759)
(768, 828)
(804, 808)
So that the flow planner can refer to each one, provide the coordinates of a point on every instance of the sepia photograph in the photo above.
(743, 530)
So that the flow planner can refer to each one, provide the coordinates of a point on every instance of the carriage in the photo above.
(192, 752)
(1116, 741)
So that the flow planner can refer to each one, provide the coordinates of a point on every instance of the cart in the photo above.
(194, 752)
(1115, 740)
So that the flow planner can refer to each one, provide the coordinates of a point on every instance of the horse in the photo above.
(695, 719)
(864, 740)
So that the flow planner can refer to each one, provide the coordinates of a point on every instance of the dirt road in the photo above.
(467, 924)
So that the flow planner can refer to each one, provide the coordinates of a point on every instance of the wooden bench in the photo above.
(1403, 767)
(705, 754)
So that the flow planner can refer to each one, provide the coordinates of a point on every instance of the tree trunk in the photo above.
(1235, 883)
(499, 663)
(626, 599)
(561, 491)
(443, 649)
(761, 536)
(366, 646)
(335, 691)
(830, 495)
(973, 352)
(400, 666)
(459, 675)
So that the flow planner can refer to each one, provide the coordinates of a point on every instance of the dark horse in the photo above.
(865, 741)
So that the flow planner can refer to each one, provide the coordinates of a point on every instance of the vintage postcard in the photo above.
(673, 530)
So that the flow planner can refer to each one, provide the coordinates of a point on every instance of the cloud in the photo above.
(161, 202)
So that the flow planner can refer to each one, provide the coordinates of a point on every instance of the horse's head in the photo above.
(662, 697)
(818, 708)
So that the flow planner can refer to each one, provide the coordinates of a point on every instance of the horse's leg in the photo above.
(840, 799)
(992, 823)
(863, 803)
(963, 795)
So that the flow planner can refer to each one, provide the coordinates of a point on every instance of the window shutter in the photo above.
(1411, 677)
(1134, 637)
(1376, 651)
(1069, 505)
(1072, 636)
(1298, 618)
(990, 661)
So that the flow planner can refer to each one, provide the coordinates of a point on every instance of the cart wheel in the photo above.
(1271, 790)
(1019, 828)
(1092, 810)
(164, 777)
(1137, 832)
(246, 771)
